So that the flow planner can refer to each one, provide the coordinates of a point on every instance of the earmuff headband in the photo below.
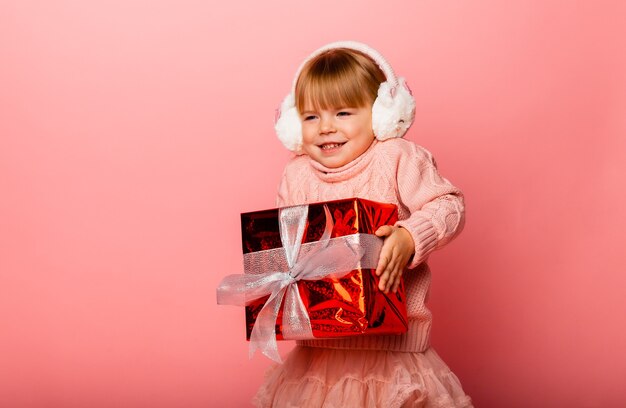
(356, 46)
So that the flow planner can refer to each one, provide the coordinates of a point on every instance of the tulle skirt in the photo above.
(315, 377)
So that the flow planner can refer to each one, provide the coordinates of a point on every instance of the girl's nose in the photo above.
(326, 125)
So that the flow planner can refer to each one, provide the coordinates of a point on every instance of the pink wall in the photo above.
(133, 133)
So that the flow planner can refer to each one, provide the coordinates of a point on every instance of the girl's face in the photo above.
(335, 137)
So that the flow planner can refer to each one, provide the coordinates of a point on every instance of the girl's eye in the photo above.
(310, 117)
(343, 113)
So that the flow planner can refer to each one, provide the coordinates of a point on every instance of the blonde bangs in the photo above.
(340, 78)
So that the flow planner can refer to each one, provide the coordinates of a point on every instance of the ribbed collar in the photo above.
(346, 171)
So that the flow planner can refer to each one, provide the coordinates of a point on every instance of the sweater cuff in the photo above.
(424, 235)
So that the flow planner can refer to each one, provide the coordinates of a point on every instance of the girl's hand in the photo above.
(394, 256)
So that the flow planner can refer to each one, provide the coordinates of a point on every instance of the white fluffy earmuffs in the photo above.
(392, 113)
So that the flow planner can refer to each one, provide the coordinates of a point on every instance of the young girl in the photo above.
(344, 120)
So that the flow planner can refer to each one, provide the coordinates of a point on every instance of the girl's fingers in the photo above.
(396, 268)
(389, 275)
(392, 268)
(386, 256)
(383, 261)
(386, 278)
(395, 278)
(384, 282)
(388, 285)
(389, 261)
(396, 285)
(381, 271)
(384, 231)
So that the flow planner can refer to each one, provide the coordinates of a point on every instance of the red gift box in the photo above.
(336, 307)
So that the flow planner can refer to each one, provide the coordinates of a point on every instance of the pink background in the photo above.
(133, 133)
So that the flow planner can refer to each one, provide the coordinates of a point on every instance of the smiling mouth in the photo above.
(330, 146)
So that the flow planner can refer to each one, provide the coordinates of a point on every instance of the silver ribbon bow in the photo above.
(275, 272)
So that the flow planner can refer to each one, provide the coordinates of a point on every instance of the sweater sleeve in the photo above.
(282, 197)
(288, 192)
(436, 206)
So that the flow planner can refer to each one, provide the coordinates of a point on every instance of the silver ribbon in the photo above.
(275, 272)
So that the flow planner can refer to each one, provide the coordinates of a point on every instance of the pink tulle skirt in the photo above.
(329, 378)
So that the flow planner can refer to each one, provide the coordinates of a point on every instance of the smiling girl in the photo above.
(345, 119)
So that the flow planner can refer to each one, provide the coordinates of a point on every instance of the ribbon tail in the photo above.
(240, 290)
(231, 291)
(296, 321)
(263, 335)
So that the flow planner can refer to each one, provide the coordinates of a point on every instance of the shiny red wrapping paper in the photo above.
(352, 305)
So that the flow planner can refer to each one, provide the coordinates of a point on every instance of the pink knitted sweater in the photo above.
(429, 207)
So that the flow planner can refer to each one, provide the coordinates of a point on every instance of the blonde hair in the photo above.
(338, 78)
